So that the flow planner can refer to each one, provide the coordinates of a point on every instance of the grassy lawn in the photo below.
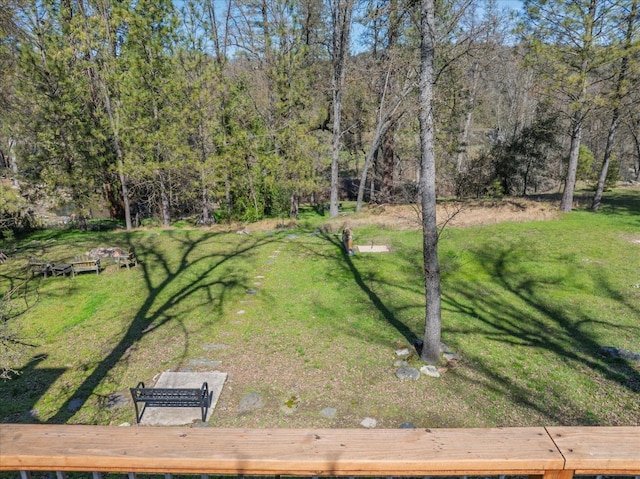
(527, 306)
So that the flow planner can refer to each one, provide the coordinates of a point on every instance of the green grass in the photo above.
(527, 306)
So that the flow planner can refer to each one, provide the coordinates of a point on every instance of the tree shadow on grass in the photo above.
(346, 262)
(167, 289)
(20, 395)
(519, 313)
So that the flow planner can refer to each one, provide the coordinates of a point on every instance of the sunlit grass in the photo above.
(526, 306)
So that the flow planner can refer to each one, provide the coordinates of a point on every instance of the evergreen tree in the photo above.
(569, 43)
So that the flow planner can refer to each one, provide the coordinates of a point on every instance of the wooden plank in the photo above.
(599, 450)
(353, 452)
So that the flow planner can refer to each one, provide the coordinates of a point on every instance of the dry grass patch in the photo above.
(467, 213)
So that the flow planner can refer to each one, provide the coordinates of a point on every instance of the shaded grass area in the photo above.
(527, 307)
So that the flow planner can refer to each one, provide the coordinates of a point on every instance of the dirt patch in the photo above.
(467, 213)
(407, 217)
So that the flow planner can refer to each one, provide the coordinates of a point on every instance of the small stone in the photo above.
(451, 356)
(619, 353)
(369, 423)
(407, 372)
(329, 412)
(430, 371)
(252, 291)
(75, 404)
(403, 353)
(400, 363)
(250, 402)
(407, 425)
(241, 311)
(125, 424)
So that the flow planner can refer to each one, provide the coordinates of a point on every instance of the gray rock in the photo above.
(430, 371)
(451, 356)
(400, 363)
(407, 425)
(619, 353)
(75, 404)
(369, 423)
(407, 372)
(252, 291)
(329, 412)
(250, 402)
(403, 353)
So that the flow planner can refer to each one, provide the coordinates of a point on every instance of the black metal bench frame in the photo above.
(170, 397)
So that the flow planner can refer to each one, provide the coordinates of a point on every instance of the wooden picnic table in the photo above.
(62, 269)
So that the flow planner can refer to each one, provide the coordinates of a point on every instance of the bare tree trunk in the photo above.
(13, 165)
(624, 67)
(431, 347)
(388, 164)
(463, 152)
(636, 159)
(577, 119)
(119, 156)
(206, 217)
(389, 143)
(386, 122)
(342, 11)
(294, 206)
(604, 170)
(164, 200)
(227, 193)
(375, 144)
(566, 203)
(114, 123)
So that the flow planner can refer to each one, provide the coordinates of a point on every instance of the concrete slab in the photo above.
(374, 248)
(180, 416)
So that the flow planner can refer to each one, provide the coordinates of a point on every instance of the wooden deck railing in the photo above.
(549, 453)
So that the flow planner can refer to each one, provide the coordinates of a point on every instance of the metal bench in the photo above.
(170, 397)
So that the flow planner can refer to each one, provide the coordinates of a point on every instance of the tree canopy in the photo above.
(154, 111)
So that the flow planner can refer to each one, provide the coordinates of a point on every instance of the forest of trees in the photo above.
(155, 110)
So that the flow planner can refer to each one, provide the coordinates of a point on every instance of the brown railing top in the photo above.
(378, 452)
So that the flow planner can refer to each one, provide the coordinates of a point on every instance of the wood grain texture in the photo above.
(596, 450)
(278, 451)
